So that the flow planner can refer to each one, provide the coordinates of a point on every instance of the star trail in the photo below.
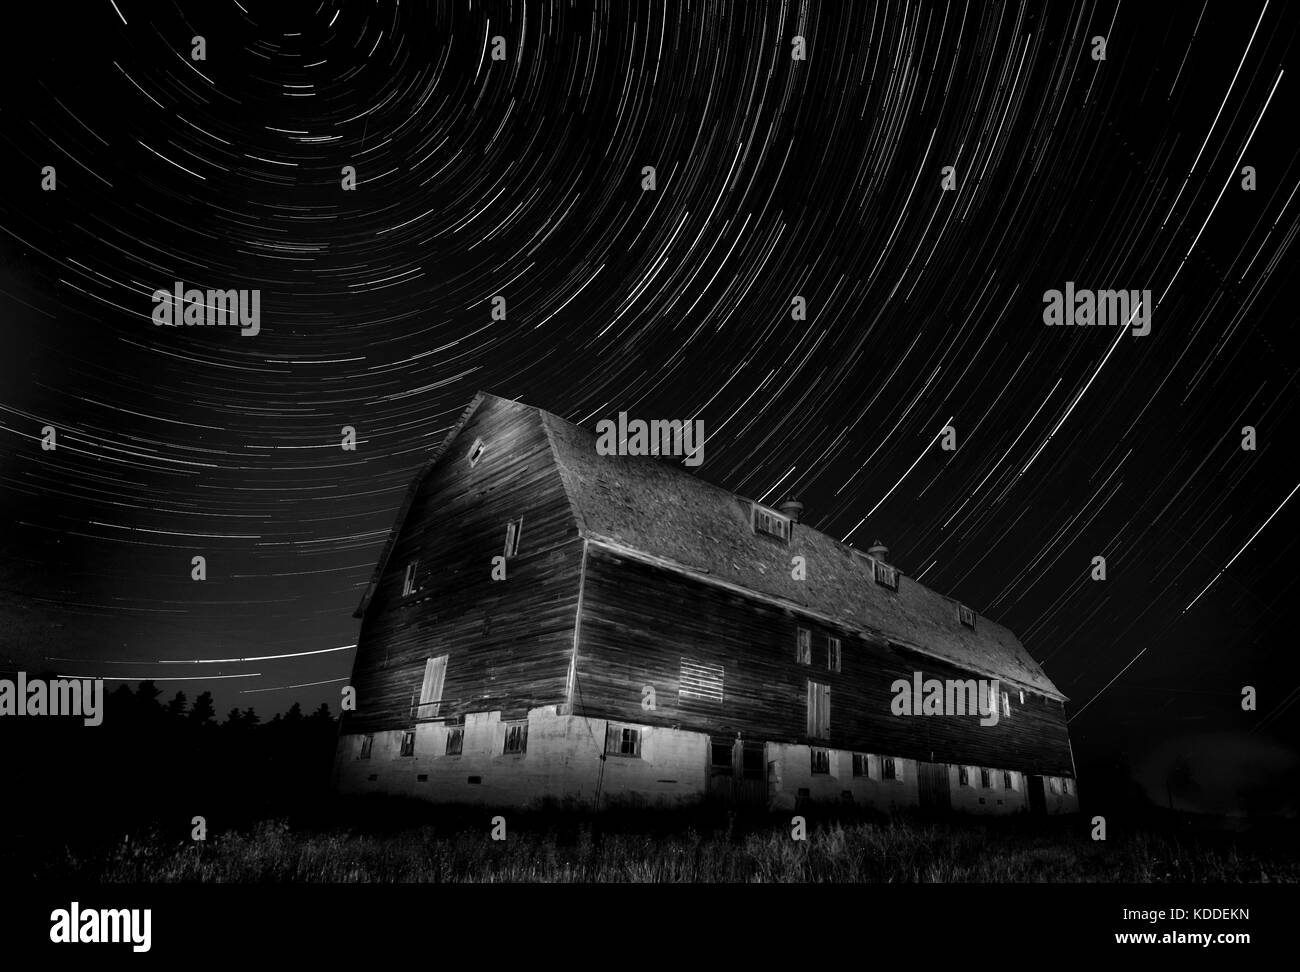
(498, 150)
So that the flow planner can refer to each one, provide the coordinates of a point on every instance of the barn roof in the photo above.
(654, 507)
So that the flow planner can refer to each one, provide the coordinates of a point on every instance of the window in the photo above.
(1006, 780)
(1006, 704)
(367, 744)
(622, 741)
(986, 780)
(516, 738)
(821, 761)
(886, 576)
(1022, 697)
(771, 523)
(803, 647)
(752, 761)
(889, 769)
(720, 754)
(455, 740)
(966, 616)
(700, 680)
(819, 710)
(963, 776)
(833, 654)
(476, 452)
(435, 673)
(408, 743)
(408, 581)
(862, 765)
(513, 531)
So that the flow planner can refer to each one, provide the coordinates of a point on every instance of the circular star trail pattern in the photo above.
(776, 178)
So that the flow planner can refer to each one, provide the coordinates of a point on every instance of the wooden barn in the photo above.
(550, 623)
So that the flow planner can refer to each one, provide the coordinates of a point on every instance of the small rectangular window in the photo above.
(819, 710)
(986, 780)
(803, 647)
(455, 740)
(963, 776)
(886, 576)
(966, 616)
(514, 529)
(408, 743)
(1006, 704)
(699, 680)
(833, 654)
(720, 754)
(862, 765)
(771, 523)
(408, 580)
(516, 738)
(889, 769)
(622, 741)
(476, 452)
(367, 744)
(821, 761)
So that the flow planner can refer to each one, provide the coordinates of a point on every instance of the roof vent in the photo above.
(879, 551)
(792, 508)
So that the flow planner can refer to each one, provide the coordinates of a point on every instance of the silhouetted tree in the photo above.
(176, 707)
(233, 719)
(294, 715)
(203, 711)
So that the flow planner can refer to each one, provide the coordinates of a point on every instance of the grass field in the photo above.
(540, 849)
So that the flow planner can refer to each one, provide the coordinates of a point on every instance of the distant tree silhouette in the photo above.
(177, 706)
(322, 714)
(203, 712)
(251, 718)
(234, 719)
(294, 715)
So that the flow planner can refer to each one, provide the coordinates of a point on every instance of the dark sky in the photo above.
(818, 178)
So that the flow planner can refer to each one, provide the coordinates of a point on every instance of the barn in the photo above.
(550, 624)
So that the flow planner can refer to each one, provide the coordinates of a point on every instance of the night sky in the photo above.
(776, 178)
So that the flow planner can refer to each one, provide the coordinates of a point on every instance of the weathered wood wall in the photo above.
(509, 642)
(639, 621)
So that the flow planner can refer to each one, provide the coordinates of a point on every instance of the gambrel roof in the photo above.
(656, 509)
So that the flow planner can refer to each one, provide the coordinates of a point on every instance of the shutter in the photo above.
(435, 675)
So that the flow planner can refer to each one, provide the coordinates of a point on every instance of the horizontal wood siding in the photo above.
(639, 621)
(509, 642)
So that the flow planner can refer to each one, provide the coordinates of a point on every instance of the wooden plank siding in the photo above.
(639, 621)
(509, 642)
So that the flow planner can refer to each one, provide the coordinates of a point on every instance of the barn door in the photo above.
(738, 771)
(1037, 799)
(933, 792)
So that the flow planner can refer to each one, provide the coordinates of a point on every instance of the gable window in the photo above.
(1007, 783)
(771, 523)
(622, 741)
(408, 580)
(985, 778)
(966, 616)
(862, 765)
(516, 738)
(833, 654)
(1006, 704)
(455, 740)
(514, 529)
(819, 710)
(408, 743)
(700, 680)
(803, 647)
(889, 769)
(886, 576)
(821, 760)
(367, 744)
(476, 452)
(963, 776)
(435, 674)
